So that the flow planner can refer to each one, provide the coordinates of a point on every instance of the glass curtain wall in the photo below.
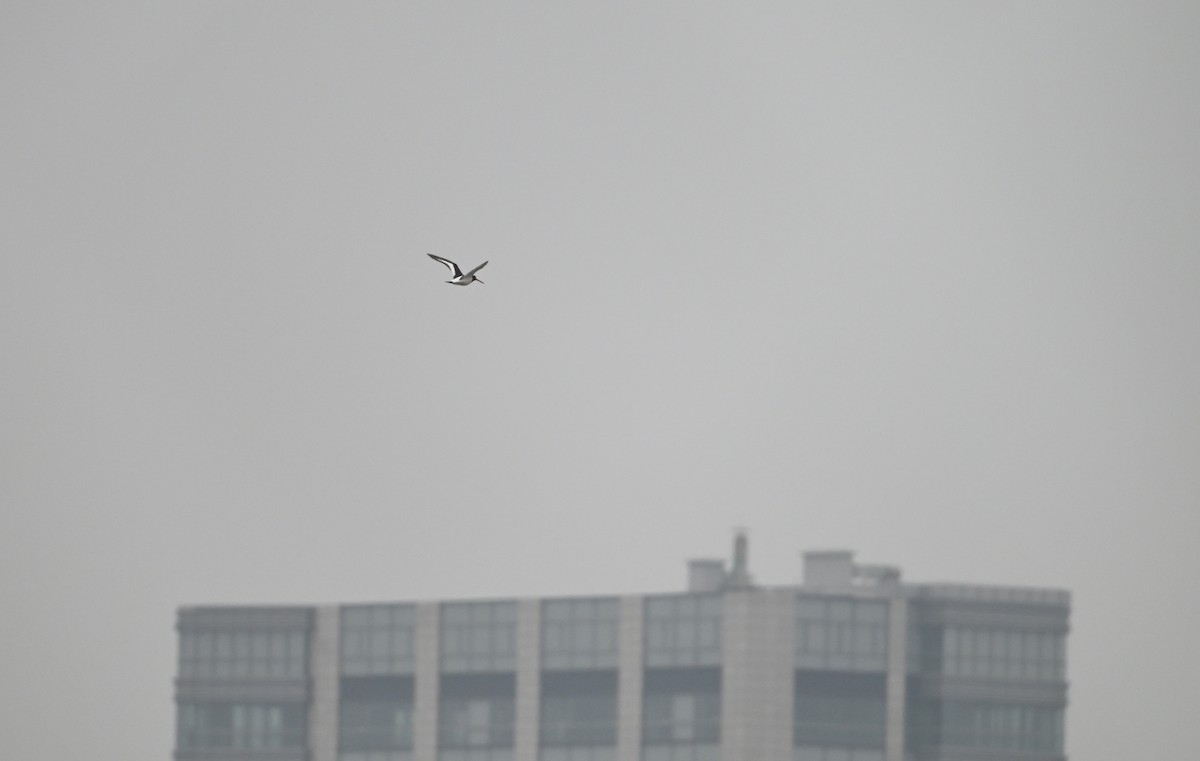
(839, 634)
(979, 725)
(243, 654)
(477, 691)
(841, 661)
(681, 715)
(681, 702)
(992, 653)
(579, 679)
(241, 726)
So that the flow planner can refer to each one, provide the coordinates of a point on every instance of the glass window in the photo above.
(241, 645)
(967, 643)
(997, 726)
(683, 630)
(841, 634)
(375, 725)
(378, 639)
(476, 722)
(478, 637)
(815, 639)
(812, 608)
(262, 645)
(839, 720)
(681, 717)
(585, 637)
(240, 654)
(1002, 654)
(217, 725)
(579, 720)
(871, 612)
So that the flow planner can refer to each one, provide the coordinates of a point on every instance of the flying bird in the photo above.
(459, 278)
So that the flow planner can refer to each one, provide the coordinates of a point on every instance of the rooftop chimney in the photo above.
(739, 576)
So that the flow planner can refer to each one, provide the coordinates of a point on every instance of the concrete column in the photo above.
(758, 663)
(325, 670)
(425, 688)
(529, 687)
(629, 679)
(897, 676)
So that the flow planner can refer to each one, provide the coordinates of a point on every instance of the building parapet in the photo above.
(982, 593)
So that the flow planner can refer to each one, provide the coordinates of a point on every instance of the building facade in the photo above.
(851, 665)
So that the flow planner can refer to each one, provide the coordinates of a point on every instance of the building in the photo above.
(851, 665)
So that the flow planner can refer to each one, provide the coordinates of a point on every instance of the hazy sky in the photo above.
(916, 279)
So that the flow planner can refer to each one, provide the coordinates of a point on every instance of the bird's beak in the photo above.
(477, 280)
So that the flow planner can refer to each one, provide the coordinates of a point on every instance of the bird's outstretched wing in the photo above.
(453, 267)
(472, 272)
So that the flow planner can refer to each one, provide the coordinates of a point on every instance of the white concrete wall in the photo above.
(528, 699)
(324, 668)
(425, 698)
(629, 679)
(757, 675)
(897, 675)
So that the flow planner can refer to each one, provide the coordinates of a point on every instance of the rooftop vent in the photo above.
(706, 575)
(836, 569)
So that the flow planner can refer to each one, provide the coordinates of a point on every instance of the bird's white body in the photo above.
(460, 277)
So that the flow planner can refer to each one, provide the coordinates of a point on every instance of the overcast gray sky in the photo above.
(915, 279)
